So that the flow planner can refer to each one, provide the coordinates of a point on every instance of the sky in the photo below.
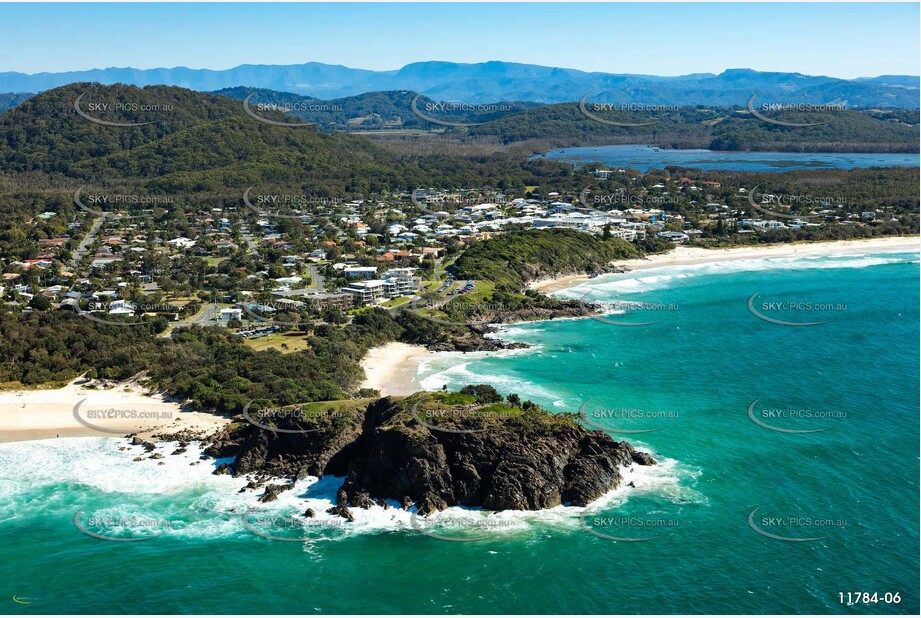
(844, 40)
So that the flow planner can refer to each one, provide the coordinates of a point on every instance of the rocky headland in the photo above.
(431, 450)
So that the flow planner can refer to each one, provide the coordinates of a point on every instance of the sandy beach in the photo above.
(392, 368)
(125, 408)
(685, 256)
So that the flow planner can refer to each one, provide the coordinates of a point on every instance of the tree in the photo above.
(40, 303)
(484, 393)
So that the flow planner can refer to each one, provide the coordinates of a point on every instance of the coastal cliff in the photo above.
(434, 450)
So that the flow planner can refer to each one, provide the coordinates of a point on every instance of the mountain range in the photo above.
(506, 81)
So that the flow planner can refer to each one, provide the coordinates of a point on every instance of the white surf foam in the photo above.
(208, 506)
(606, 286)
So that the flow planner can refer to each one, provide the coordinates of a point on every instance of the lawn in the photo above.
(395, 302)
(294, 342)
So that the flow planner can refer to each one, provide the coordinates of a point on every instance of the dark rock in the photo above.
(341, 511)
(361, 500)
(178, 451)
(322, 445)
(644, 459)
(224, 468)
(534, 461)
(156, 456)
(136, 441)
(310, 513)
(272, 491)
(138, 459)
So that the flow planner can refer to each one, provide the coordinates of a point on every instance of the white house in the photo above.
(228, 314)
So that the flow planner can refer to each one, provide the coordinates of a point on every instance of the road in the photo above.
(250, 241)
(203, 318)
(318, 281)
(85, 243)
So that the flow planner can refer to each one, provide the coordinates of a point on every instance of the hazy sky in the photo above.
(841, 40)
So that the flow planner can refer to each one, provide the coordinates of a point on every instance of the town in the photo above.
(275, 262)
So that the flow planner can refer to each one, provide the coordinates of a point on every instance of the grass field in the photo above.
(294, 342)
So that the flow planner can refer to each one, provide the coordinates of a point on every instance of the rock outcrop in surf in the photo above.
(432, 450)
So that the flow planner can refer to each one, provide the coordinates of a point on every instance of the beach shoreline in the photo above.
(689, 256)
(124, 408)
(392, 369)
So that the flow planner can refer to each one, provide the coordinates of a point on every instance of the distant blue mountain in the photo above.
(507, 81)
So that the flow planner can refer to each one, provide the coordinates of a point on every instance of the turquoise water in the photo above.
(645, 157)
(690, 376)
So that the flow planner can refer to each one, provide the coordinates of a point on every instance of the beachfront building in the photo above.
(359, 272)
(673, 236)
(325, 300)
(402, 280)
(368, 292)
(399, 282)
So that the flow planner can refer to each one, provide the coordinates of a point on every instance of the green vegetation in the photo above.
(714, 128)
(323, 416)
(200, 143)
(210, 367)
(512, 260)
(384, 110)
(477, 408)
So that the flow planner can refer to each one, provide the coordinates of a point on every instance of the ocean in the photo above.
(779, 396)
(644, 158)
